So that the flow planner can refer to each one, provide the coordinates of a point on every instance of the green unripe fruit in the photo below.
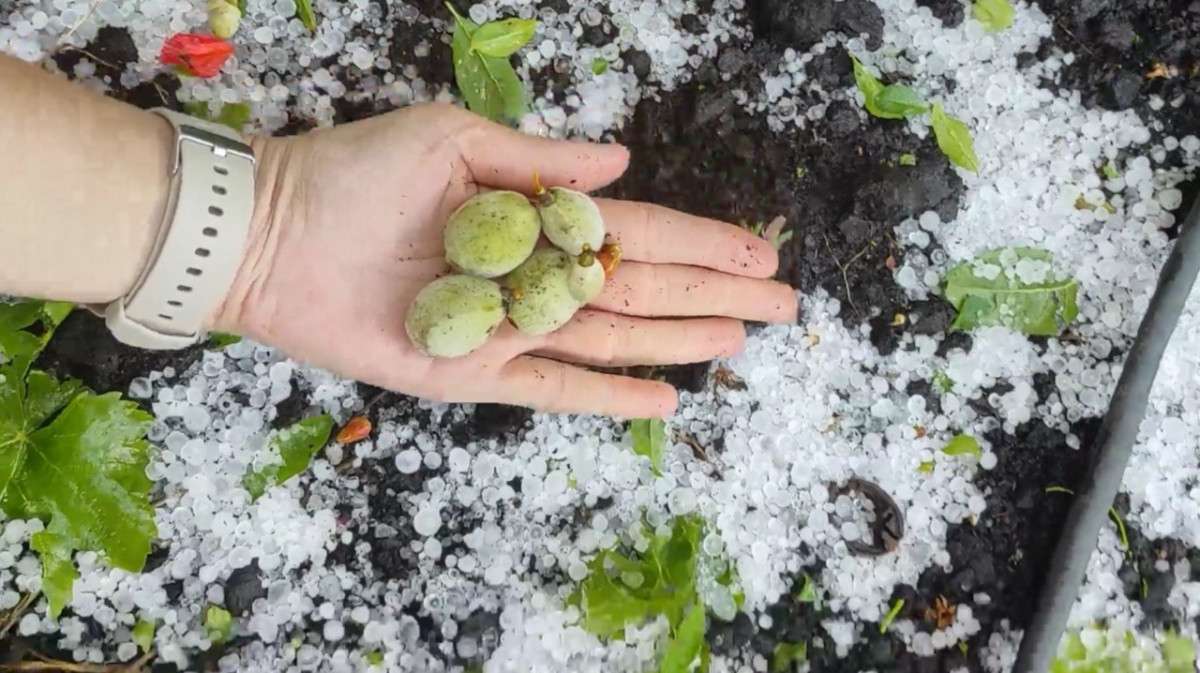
(492, 233)
(571, 220)
(586, 281)
(539, 298)
(454, 315)
(223, 18)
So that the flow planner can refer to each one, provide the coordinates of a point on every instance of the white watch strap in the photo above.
(201, 241)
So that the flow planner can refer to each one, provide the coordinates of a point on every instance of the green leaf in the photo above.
(1179, 653)
(897, 101)
(502, 39)
(868, 84)
(1110, 171)
(374, 658)
(684, 647)
(304, 12)
(1059, 489)
(995, 15)
(19, 347)
(241, 5)
(942, 382)
(650, 440)
(891, 616)
(488, 84)
(58, 569)
(998, 298)
(963, 445)
(218, 624)
(599, 66)
(296, 446)
(233, 115)
(667, 570)
(24, 407)
(222, 339)
(54, 312)
(808, 592)
(85, 472)
(894, 101)
(788, 656)
(926, 467)
(908, 159)
(143, 634)
(1122, 533)
(954, 139)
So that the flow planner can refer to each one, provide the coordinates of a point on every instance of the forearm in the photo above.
(83, 190)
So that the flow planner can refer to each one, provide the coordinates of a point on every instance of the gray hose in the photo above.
(1114, 443)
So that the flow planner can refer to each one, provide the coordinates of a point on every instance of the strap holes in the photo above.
(210, 232)
(218, 189)
(215, 211)
(220, 170)
(184, 288)
(202, 252)
(193, 271)
(174, 303)
(164, 316)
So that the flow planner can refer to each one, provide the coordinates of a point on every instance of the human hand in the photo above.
(348, 228)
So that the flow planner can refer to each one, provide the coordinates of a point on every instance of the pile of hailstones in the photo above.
(491, 242)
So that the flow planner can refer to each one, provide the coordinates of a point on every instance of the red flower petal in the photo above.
(198, 55)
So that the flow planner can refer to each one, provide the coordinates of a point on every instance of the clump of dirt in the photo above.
(1128, 51)
(84, 349)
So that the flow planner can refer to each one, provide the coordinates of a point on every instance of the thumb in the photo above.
(503, 158)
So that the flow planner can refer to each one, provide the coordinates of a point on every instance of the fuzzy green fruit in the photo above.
(586, 281)
(492, 233)
(223, 18)
(540, 300)
(571, 220)
(454, 315)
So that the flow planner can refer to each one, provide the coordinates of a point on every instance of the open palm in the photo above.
(348, 228)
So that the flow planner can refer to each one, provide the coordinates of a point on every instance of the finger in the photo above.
(548, 385)
(506, 159)
(671, 290)
(650, 233)
(608, 339)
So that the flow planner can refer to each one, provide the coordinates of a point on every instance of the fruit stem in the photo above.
(609, 257)
(587, 257)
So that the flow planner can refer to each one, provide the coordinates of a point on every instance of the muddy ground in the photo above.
(696, 150)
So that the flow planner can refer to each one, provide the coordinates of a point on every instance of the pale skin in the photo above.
(347, 228)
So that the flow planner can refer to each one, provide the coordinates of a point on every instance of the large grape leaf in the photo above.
(85, 473)
(26, 399)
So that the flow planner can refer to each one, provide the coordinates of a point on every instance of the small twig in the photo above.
(92, 6)
(45, 663)
(844, 268)
(92, 56)
(1078, 42)
(162, 94)
(15, 614)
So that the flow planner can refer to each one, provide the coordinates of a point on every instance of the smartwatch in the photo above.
(200, 243)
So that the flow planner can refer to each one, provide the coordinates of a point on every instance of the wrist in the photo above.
(245, 308)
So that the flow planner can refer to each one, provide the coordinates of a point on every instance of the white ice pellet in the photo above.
(408, 461)
(427, 520)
